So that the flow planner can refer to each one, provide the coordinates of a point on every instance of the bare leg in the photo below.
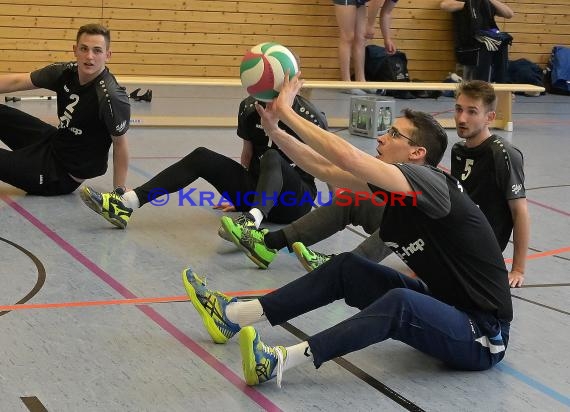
(358, 44)
(346, 20)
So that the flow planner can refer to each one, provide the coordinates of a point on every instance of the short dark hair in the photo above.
(479, 89)
(95, 28)
(429, 134)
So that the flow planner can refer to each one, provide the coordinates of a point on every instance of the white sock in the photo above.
(298, 354)
(257, 215)
(130, 199)
(245, 313)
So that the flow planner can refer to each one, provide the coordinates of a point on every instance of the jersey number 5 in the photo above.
(467, 169)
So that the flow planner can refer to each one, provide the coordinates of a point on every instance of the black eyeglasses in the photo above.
(396, 134)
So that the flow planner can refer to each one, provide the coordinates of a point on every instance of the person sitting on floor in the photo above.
(459, 308)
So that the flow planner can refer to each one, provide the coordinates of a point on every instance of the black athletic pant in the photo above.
(492, 66)
(278, 191)
(30, 164)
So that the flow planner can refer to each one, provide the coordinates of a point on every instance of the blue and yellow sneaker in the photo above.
(109, 205)
(211, 306)
(309, 258)
(260, 362)
(247, 237)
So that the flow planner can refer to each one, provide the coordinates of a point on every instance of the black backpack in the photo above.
(379, 66)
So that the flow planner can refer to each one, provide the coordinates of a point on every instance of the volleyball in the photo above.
(262, 70)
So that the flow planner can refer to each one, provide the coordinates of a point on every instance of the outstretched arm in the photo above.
(15, 82)
(304, 156)
(521, 235)
(351, 161)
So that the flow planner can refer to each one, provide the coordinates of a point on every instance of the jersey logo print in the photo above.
(404, 252)
(516, 188)
(120, 127)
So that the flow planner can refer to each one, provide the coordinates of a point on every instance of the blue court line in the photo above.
(140, 171)
(504, 367)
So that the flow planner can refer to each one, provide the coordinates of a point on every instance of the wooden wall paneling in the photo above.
(205, 38)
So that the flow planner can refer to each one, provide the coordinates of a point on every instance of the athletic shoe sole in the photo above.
(209, 323)
(299, 253)
(246, 338)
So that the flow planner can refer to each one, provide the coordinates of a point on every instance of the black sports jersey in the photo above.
(88, 114)
(492, 173)
(249, 128)
(463, 268)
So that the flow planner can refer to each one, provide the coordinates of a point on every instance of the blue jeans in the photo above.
(392, 305)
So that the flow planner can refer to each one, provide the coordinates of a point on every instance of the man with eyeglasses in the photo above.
(93, 112)
(458, 309)
(490, 169)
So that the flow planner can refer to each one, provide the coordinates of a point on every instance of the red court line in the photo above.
(161, 321)
(543, 254)
(534, 202)
(165, 299)
(133, 301)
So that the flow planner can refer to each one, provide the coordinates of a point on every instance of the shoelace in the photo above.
(280, 367)
(319, 258)
(242, 219)
(118, 194)
(280, 361)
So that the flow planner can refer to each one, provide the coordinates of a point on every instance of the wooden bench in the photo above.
(504, 92)
(504, 119)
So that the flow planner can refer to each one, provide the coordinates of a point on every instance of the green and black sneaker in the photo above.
(247, 237)
(109, 205)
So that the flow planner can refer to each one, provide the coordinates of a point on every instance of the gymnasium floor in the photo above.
(88, 345)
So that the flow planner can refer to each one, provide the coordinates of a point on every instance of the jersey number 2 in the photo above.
(66, 118)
